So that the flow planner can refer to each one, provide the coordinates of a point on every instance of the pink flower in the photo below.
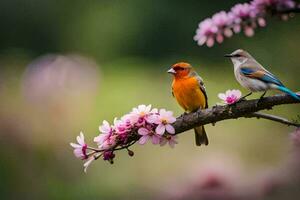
(261, 22)
(105, 128)
(249, 31)
(170, 139)
(80, 149)
(206, 32)
(106, 139)
(242, 12)
(164, 121)
(140, 114)
(88, 162)
(122, 129)
(221, 19)
(141, 110)
(120, 126)
(147, 135)
(230, 97)
(129, 120)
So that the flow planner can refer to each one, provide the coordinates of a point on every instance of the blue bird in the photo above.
(254, 77)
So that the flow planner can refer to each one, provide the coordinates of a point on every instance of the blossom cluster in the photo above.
(141, 125)
(242, 17)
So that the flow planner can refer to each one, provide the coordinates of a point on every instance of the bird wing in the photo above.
(202, 88)
(260, 74)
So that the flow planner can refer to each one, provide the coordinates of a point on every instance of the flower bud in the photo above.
(130, 153)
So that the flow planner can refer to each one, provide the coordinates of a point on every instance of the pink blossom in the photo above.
(105, 128)
(285, 4)
(221, 19)
(170, 139)
(129, 120)
(206, 32)
(80, 149)
(121, 127)
(142, 122)
(141, 114)
(242, 12)
(230, 97)
(261, 22)
(242, 16)
(105, 139)
(164, 121)
(249, 31)
(147, 135)
(141, 110)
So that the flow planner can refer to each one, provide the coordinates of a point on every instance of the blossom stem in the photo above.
(114, 148)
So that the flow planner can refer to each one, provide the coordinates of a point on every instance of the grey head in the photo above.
(239, 57)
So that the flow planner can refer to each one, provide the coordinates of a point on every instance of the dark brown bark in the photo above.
(219, 113)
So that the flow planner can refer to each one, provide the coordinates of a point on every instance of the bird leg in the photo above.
(244, 97)
(261, 97)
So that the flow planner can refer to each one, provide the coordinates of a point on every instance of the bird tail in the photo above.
(289, 92)
(200, 136)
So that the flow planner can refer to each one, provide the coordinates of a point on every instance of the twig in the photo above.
(95, 150)
(273, 118)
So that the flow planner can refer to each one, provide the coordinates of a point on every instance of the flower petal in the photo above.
(87, 163)
(143, 131)
(75, 145)
(155, 139)
(160, 129)
(171, 119)
(153, 119)
(222, 96)
(143, 139)
(170, 129)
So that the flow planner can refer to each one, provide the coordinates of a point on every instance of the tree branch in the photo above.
(291, 10)
(220, 113)
(275, 118)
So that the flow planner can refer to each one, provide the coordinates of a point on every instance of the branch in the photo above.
(259, 115)
(240, 109)
(291, 10)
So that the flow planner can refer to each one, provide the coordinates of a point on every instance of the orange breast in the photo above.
(188, 94)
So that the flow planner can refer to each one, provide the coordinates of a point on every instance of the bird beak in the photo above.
(228, 55)
(171, 71)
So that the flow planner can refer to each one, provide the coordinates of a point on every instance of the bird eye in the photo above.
(238, 55)
(178, 68)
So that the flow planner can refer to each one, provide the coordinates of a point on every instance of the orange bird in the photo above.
(189, 91)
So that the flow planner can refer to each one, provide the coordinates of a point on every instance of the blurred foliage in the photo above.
(134, 42)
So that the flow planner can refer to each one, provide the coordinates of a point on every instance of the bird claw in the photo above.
(258, 102)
